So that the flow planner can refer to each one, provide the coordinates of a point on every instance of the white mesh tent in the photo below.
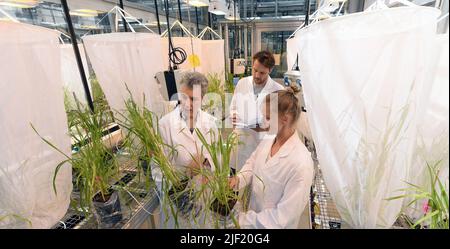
(31, 93)
(212, 58)
(364, 77)
(122, 60)
(70, 73)
(191, 45)
(433, 130)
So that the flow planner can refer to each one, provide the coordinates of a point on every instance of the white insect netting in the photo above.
(433, 132)
(31, 93)
(71, 75)
(364, 78)
(212, 60)
(192, 47)
(122, 60)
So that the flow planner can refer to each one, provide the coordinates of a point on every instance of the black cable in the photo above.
(176, 55)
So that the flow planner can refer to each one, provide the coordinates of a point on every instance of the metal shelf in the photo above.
(324, 214)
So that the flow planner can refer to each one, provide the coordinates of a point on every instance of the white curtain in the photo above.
(31, 93)
(212, 59)
(122, 60)
(192, 47)
(433, 130)
(365, 78)
(71, 75)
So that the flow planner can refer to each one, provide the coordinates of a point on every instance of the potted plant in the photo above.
(147, 145)
(95, 166)
(222, 197)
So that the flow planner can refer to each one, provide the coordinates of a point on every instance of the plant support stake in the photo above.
(77, 55)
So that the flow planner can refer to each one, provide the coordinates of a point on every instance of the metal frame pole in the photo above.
(77, 54)
(123, 18)
(196, 20)
(157, 16)
(179, 16)
(308, 9)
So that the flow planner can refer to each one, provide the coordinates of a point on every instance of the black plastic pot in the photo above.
(182, 199)
(174, 190)
(222, 209)
(144, 165)
(107, 157)
(107, 212)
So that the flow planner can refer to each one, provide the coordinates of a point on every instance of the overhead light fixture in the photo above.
(197, 3)
(231, 13)
(85, 12)
(218, 7)
(23, 4)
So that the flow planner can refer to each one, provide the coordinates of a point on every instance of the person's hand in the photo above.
(233, 182)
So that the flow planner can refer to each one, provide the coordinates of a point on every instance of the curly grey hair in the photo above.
(190, 79)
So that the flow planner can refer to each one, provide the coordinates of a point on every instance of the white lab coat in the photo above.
(280, 187)
(247, 107)
(175, 132)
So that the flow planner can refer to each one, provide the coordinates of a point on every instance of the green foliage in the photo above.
(71, 104)
(436, 198)
(94, 164)
(211, 104)
(15, 217)
(229, 83)
(145, 142)
(217, 181)
(100, 103)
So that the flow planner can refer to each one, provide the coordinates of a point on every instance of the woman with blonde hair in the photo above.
(280, 171)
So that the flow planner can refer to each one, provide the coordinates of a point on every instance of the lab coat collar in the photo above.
(284, 151)
(202, 123)
(288, 146)
(268, 86)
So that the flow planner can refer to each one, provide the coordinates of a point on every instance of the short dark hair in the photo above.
(266, 58)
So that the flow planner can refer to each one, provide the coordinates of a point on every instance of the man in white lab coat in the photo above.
(177, 129)
(245, 106)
